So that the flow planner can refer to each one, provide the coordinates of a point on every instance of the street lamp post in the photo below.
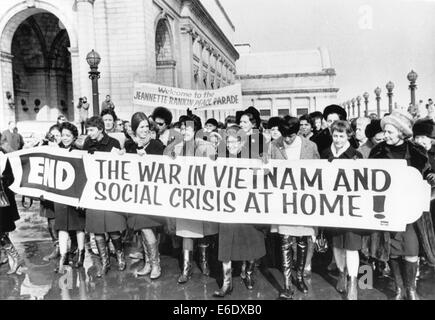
(366, 101)
(412, 78)
(378, 92)
(390, 87)
(348, 108)
(358, 103)
(353, 106)
(94, 59)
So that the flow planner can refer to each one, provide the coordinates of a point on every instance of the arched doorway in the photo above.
(41, 68)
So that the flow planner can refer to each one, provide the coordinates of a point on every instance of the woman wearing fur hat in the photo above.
(403, 247)
(294, 240)
(192, 229)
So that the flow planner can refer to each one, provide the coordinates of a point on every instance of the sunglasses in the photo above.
(160, 123)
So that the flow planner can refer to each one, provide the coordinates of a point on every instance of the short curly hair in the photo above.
(163, 113)
(69, 126)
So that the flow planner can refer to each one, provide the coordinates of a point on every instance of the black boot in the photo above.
(249, 276)
(227, 284)
(104, 255)
(80, 259)
(286, 252)
(186, 273)
(117, 243)
(203, 259)
(396, 270)
(342, 281)
(410, 271)
(300, 264)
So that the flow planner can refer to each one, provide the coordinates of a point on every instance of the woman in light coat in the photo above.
(192, 229)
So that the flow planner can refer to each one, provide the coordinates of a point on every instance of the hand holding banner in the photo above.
(356, 194)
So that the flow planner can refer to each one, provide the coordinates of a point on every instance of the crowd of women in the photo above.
(328, 135)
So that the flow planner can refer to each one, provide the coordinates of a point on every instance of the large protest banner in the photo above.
(154, 95)
(361, 194)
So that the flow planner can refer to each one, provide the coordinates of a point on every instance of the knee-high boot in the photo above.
(117, 243)
(249, 278)
(146, 270)
(410, 271)
(104, 255)
(397, 273)
(152, 247)
(300, 264)
(227, 284)
(54, 236)
(286, 252)
(15, 261)
(186, 273)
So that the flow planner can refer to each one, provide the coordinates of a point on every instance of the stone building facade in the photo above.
(286, 83)
(44, 43)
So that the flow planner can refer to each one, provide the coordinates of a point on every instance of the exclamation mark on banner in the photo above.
(378, 206)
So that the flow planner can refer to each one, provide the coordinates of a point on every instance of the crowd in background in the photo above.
(329, 135)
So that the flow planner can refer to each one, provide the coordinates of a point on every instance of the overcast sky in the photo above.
(369, 42)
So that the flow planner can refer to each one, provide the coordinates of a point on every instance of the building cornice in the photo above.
(290, 91)
(326, 72)
(200, 10)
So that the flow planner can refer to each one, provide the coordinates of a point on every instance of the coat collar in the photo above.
(279, 143)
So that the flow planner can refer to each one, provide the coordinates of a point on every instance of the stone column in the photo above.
(86, 42)
(6, 81)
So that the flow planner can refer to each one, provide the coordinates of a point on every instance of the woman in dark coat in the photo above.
(345, 242)
(238, 242)
(143, 144)
(8, 216)
(249, 120)
(100, 222)
(403, 247)
(67, 218)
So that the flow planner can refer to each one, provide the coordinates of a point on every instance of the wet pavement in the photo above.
(39, 281)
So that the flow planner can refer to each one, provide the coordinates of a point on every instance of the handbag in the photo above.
(321, 244)
(4, 201)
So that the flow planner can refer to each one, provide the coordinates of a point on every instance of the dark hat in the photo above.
(333, 108)
(424, 127)
(255, 113)
(373, 128)
(213, 122)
